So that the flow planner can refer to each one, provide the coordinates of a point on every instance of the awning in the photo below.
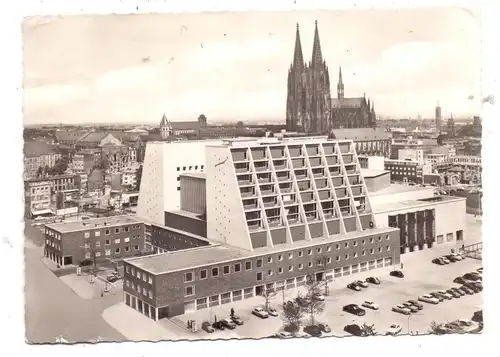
(42, 211)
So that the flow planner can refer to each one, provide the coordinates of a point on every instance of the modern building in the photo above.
(38, 155)
(427, 145)
(310, 107)
(164, 164)
(59, 182)
(108, 238)
(37, 199)
(407, 170)
(275, 211)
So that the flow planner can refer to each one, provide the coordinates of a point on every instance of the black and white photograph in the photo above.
(252, 175)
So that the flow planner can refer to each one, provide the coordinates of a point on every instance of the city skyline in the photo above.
(133, 68)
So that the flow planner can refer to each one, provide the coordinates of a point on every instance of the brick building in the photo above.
(108, 238)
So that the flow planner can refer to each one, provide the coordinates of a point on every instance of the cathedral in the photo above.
(310, 107)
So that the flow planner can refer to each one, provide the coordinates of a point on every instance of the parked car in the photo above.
(237, 320)
(393, 330)
(416, 303)
(373, 280)
(438, 261)
(283, 335)
(219, 325)
(363, 284)
(474, 287)
(459, 280)
(468, 325)
(458, 291)
(437, 296)
(397, 274)
(478, 316)
(457, 256)
(410, 307)
(446, 261)
(401, 309)
(480, 270)
(112, 278)
(370, 305)
(260, 312)
(353, 286)
(454, 293)
(354, 330)
(313, 330)
(428, 299)
(472, 276)
(466, 290)
(228, 324)
(445, 295)
(451, 258)
(318, 297)
(325, 328)
(354, 309)
(207, 327)
(272, 312)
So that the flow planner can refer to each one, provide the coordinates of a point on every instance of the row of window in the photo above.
(107, 252)
(140, 275)
(138, 288)
(189, 168)
(108, 242)
(107, 232)
(189, 276)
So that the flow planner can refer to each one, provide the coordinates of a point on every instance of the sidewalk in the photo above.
(82, 286)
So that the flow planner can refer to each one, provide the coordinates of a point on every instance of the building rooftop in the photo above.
(410, 204)
(361, 134)
(397, 188)
(187, 214)
(256, 142)
(37, 148)
(112, 221)
(202, 256)
(373, 173)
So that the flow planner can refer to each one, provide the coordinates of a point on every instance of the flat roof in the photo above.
(373, 172)
(397, 188)
(187, 214)
(402, 205)
(112, 221)
(219, 253)
(275, 141)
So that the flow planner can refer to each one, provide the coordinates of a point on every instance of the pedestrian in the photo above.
(102, 293)
(215, 318)
(232, 312)
(401, 266)
(463, 246)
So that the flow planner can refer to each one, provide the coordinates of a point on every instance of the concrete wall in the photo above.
(376, 183)
(171, 239)
(188, 224)
(193, 194)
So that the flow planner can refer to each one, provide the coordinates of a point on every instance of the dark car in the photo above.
(438, 261)
(478, 316)
(325, 328)
(353, 286)
(228, 324)
(373, 280)
(437, 296)
(454, 293)
(354, 309)
(218, 325)
(466, 290)
(313, 330)
(458, 291)
(452, 258)
(207, 327)
(112, 278)
(354, 330)
(397, 274)
(237, 320)
(416, 303)
(473, 287)
(459, 280)
(471, 276)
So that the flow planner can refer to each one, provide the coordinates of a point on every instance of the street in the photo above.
(53, 310)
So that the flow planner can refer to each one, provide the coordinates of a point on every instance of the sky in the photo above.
(233, 66)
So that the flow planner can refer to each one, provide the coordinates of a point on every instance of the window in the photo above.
(387, 237)
(301, 266)
(310, 264)
(346, 245)
(108, 252)
(280, 258)
(338, 246)
(329, 248)
(178, 178)
(189, 290)
(202, 166)
(127, 269)
(387, 248)
(136, 247)
(188, 277)
(97, 233)
(248, 265)
(372, 251)
(280, 270)
(98, 244)
(269, 272)
(363, 241)
(117, 230)
(150, 294)
(87, 235)
(290, 255)
(355, 243)
(126, 229)
(380, 239)
(259, 263)
(259, 276)
(329, 260)
(237, 267)
(363, 253)
(269, 259)
(379, 249)
(225, 269)
(126, 240)
(309, 252)
(290, 268)
(183, 168)
(178, 188)
(346, 256)
(117, 250)
(178, 168)
(203, 274)
(371, 240)
(117, 241)
(107, 232)
(215, 271)
(300, 253)
(190, 167)
(355, 255)
(144, 277)
(338, 258)
(319, 250)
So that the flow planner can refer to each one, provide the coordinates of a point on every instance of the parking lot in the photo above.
(421, 277)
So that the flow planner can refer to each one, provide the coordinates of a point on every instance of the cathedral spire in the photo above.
(340, 86)
(298, 59)
(317, 57)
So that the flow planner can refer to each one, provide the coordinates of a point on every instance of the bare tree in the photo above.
(292, 316)
(268, 295)
(313, 306)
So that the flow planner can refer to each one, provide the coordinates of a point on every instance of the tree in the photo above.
(437, 329)
(39, 172)
(239, 124)
(314, 306)
(138, 176)
(268, 295)
(292, 316)
(368, 330)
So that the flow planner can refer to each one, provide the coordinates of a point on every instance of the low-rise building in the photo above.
(37, 199)
(38, 155)
(407, 170)
(108, 238)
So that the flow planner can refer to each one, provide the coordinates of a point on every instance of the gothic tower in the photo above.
(340, 86)
(295, 97)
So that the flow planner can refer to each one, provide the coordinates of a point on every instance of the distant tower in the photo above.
(438, 118)
(340, 86)
(450, 126)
